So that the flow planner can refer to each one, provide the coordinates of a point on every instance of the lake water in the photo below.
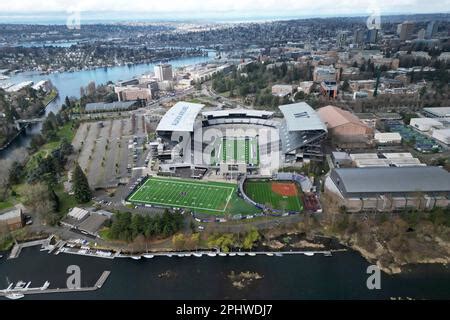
(342, 276)
(69, 83)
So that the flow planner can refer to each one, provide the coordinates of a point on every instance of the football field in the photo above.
(191, 194)
(236, 150)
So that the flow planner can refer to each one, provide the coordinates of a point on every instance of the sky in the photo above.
(218, 8)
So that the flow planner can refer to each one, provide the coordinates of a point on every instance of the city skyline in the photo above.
(222, 10)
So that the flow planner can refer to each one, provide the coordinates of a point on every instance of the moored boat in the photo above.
(15, 296)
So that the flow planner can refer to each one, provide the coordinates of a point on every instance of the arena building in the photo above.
(390, 188)
(344, 127)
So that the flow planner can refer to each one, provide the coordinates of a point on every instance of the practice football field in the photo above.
(191, 194)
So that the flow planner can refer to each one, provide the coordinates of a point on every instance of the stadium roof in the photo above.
(180, 117)
(102, 106)
(391, 180)
(301, 117)
(246, 112)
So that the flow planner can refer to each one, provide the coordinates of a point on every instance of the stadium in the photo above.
(246, 147)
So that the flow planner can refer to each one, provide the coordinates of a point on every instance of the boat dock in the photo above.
(15, 252)
(44, 289)
(199, 254)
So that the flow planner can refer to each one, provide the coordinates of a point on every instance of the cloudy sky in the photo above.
(226, 7)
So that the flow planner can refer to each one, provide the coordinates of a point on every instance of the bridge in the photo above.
(35, 120)
(21, 122)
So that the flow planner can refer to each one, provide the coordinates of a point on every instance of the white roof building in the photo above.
(180, 118)
(78, 213)
(301, 117)
(442, 135)
(426, 124)
(388, 137)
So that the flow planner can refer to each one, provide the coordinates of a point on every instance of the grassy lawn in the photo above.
(104, 234)
(6, 243)
(65, 131)
(66, 201)
(5, 204)
(50, 97)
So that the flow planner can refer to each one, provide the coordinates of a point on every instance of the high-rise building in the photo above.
(341, 39)
(421, 34)
(406, 30)
(163, 72)
(371, 36)
(358, 37)
(431, 29)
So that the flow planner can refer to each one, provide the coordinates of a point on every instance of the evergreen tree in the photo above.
(80, 185)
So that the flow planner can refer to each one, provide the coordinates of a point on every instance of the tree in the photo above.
(345, 85)
(299, 96)
(250, 239)
(67, 102)
(15, 173)
(178, 241)
(193, 241)
(42, 201)
(80, 185)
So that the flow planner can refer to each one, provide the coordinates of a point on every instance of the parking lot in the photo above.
(109, 150)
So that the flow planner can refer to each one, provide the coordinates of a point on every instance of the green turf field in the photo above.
(236, 150)
(192, 194)
(261, 192)
(216, 198)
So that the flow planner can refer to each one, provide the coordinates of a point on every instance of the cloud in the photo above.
(294, 7)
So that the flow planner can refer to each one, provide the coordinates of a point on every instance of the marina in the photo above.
(74, 248)
(284, 277)
(21, 288)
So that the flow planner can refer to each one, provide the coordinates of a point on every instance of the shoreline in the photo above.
(146, 62)
(61, 246)
(41, 112)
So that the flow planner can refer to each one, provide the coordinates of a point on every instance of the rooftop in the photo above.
(78, 213)
(392, 180)
(11, 214)
(335, 117)
(102, 106)
(246, 112)
(180, 117)
(301, 117)
(439, 111)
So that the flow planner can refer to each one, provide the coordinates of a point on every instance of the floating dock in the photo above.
(15, 252)
(44, 289)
